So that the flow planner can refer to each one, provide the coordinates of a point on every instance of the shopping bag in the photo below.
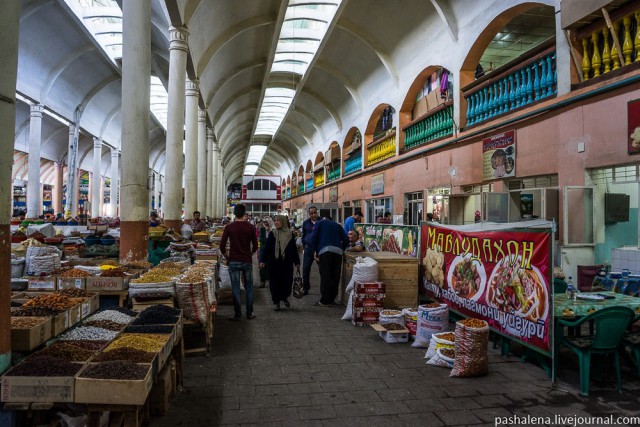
(298, 289)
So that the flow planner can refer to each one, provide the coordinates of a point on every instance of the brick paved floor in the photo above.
(305, 366)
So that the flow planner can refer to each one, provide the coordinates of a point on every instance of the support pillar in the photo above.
(202, 162)
(71, 207)
(215, 180)
(136, 68)
(210, 186)
(34, 194)
(96, 184)
(222, 193)
(57, 188)
(191, 149)
(115, 181)
(172, 203)
(9, 23)
(156, 193)
(152, 182)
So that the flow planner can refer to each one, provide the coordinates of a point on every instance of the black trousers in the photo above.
(330, 269)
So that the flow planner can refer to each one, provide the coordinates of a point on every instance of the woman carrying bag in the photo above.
(279, 256)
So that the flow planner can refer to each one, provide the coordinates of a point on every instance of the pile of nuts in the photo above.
(89, 333)
(146, 342)
(156, 276)
(473, 323)
(26, 322)
(114, 272)
(67, 351)
(195, 276)
(431, 305)
(116, 370)
(55, 301)
(111, 315)
(74, 273)
(104, 324)
(75, 293)
(448, 336)
(393, 326)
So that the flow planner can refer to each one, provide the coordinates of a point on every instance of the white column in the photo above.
(215, 182)
(57, 189)
(136, 69)
(178, 49)
(563, 57)
(191, 149)
(115, 181)
(34, 195)
(156, 192)
(152, 183)
(209, 189)
(222, 205)
(202, 162)
(97, 177)
(72, 174)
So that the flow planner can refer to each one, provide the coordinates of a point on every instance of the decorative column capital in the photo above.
(179, 39)
(215, 146)
(97, 143)
(114, 153)
(202, 115)
(192, 87)
(37, 110)
(72, 129)
(210, 134)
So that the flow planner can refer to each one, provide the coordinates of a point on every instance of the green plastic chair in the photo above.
(610, 325)
(559, 286)
(632, 340)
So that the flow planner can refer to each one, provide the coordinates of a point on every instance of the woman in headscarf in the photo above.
(279, 256)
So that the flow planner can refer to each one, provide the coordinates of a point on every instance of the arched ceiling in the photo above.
(373, 52)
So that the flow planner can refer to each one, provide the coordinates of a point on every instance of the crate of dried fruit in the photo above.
(28, 333)
(73, 278)
(128, 383)
(392, 332)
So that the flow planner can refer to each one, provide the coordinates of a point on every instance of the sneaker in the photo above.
(251, 316)
(319, 304)
(287, 303)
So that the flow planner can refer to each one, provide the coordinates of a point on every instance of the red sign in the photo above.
(499, 276)
(499, 156)
(633, 123)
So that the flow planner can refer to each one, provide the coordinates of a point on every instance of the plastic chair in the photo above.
(559, 286)
(610, 325)
(632, 340)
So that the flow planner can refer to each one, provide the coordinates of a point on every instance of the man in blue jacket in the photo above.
(349, 223)
(328, 243)
(307, 233)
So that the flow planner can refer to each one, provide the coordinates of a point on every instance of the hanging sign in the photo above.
(377, 184)
(401, 239)
(499, 156)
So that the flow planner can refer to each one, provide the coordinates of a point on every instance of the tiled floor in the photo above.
(305, 366)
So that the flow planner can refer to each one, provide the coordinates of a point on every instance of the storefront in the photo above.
(413, 208)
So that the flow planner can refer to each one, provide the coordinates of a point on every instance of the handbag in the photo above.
(298, 288)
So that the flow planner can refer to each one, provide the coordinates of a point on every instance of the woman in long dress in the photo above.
(279, 256)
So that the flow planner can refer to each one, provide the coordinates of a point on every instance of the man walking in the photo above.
(243, 245)
(307, 234)
(349, 223)
(328, 243)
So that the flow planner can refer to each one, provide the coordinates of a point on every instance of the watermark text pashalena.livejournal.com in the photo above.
(566, 420)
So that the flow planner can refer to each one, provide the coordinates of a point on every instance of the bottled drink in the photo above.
(571, 289)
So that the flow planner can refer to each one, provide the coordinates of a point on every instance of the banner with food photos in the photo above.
(401, 239)
(492, 272)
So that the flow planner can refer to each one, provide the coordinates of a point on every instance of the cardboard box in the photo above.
(120, 392)
(107, 283)
(90, 306)
(434, 99)
(71, 283)
(396, 336)
(47, 283)
(141, 305)
(365, 316)
(28, 339)
(420, 108)
(368, 302)
(60, 323)
(369, 288)
(37, 389)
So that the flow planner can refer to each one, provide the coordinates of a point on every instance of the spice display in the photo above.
(74, 273)
(35, 312)
(53, 301)
(148, 329)
(45, 366)
(145, 342)
(113, 272)
(473, 323)
(67, 351)
(126, 353)
(156, 276)
(163, 309)
(472, 339)
(88, 345)
(89, 333)
(116, 370)
(75, 293)
(104, 324)
(170, 265)
(390, 312)
(194, 276)
(448, 336)
(138, 265)
(26, 322)
(111, 315)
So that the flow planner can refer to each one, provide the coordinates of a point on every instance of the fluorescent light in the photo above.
(256, 152)
(250, 169)
(159, 101)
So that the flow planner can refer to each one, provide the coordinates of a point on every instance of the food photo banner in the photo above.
(498, 275)
(401, 239)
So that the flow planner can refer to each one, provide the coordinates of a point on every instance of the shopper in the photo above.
(243, 245)
(196, 223)
(154, 221)
(307, 258)
(263, 232)
(279, 256)
(387, 218)
(355, 243)
(328, 243)
(349, 223)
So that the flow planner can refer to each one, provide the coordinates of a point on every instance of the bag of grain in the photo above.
(432, 318)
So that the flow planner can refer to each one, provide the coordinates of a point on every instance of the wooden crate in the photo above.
(398, 272)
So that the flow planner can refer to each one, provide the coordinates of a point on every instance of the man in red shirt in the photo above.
(243, 244)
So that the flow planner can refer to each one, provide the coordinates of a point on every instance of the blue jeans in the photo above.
(246, 268)
(307, 262)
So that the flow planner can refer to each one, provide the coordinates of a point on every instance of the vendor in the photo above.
(154, 221)
(355, 244)
(196, 223)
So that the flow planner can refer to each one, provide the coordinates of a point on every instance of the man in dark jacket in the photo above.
(328, 243)
(307, 234)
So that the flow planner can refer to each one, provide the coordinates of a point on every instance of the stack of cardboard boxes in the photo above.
(367, 302)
